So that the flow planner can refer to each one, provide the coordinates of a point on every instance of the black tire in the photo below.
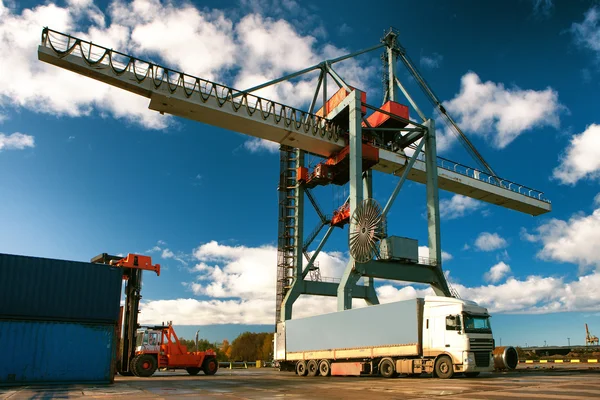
(325, 368)
(471, 374)
(444, 368)
(387, 368)
(193, 370)
(210, 366)
(128, 373)
(313, 368)
(301, 369)
(144, 365)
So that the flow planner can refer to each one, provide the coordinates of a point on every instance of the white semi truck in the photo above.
(438, 335)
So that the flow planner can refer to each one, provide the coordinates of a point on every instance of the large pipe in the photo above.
(505, 357)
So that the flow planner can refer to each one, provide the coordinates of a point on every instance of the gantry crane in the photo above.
(590, 339)
(352, 136)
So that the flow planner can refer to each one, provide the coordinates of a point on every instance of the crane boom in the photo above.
(198, 99)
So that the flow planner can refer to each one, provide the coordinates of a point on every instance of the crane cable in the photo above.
(464, 140)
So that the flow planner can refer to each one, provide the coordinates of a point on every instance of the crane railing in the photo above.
(176, 81)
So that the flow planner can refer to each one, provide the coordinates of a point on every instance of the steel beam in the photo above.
(356, 192)
(410, 100)
(317, 251)
(391, 55)
(433, 207)
(405, 173)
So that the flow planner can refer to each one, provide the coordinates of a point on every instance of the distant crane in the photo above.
(589, 338)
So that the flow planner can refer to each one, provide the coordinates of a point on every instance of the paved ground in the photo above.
(558, 383)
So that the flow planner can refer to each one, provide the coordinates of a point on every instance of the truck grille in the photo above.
(482, 358)
(481, 344)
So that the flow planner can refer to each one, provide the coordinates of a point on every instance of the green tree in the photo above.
(250, 346)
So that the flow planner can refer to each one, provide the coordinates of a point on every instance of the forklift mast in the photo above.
(132, 266)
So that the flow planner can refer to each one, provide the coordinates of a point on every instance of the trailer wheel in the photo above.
(325, 368)
(210, 366)
(444, 368)
(193, 370)
(301, 368)
(313, 368)
(144, 365)
(387, 369)
(471, 374)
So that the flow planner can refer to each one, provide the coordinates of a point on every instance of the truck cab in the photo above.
(460, 330)
(148, 340)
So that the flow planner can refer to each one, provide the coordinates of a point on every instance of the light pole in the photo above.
(544, 343)
(569, 339)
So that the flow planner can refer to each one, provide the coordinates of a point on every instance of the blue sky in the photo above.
(86, 169)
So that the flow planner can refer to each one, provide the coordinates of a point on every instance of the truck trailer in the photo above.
(437, 335)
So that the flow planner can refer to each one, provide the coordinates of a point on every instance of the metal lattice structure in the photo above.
(287, 248)
(353, 137)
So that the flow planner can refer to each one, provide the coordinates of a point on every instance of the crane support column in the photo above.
(368, 281)
(349, 279)
(433, 208)
(294, 223)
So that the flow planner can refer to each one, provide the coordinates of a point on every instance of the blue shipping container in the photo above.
(33, 288)
(50, 352)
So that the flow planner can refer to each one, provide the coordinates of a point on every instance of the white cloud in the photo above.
(266, 47)
(497, 272)
(424, 253)
(587, 33)
(542, 8)
(500, 114)
(458, 206)
(431, 62)
(490, 241)
(575, 241)
(239, 282)
(247, 272)
(581, 159)
(528, 237)
(153, 250)
(256, 145)
(597, 199)
(16, 141)
(166, 253)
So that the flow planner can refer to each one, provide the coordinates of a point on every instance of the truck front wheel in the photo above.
(387, 368)
(444, 368)
(301, 368)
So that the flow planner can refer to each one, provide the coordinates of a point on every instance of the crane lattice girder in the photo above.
(217, 105)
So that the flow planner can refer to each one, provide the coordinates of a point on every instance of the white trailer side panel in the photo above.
(398, 323)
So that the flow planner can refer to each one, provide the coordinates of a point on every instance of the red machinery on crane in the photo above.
(142, 350)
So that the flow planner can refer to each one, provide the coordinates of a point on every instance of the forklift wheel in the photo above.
(144, 365)
(193, 370)
(210, 366)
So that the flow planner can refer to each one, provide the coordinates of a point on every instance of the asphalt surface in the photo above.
(580, 382)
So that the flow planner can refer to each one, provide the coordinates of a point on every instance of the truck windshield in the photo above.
(477, 324)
